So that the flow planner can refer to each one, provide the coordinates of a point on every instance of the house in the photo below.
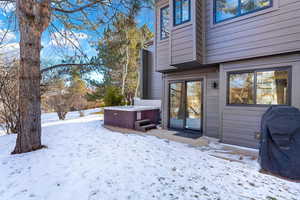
(217, 65)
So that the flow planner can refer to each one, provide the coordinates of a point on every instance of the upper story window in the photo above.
(260, 87)
(164, 23)
(227, 9)
(182, 11)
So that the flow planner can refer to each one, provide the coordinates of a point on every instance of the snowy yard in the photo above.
(84, 161)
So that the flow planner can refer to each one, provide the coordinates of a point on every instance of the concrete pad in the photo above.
(211, 145)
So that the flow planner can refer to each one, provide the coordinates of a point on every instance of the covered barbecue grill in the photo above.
(280, 142)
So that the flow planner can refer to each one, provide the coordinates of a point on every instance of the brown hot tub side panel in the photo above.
(152, 115)
(123, 119)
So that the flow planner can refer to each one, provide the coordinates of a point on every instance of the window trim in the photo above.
(161, 9)
(289, 87)
(239, 11)
(174, 16)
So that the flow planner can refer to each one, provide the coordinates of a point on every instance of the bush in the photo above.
(113, 96)
(9, 97)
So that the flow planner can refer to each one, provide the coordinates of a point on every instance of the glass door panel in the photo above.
(177, 109)
(193, 105)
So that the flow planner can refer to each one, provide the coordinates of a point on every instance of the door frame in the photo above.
(184, 81)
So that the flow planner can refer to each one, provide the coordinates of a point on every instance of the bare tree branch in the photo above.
(79, 8)
(66, 65)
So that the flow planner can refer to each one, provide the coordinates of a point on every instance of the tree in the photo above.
(113, 96)
(34, 17)
(119, 51)
(58, 98)
(77, 92)
(9, 118)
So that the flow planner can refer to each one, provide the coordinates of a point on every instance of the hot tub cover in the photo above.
(280, 141)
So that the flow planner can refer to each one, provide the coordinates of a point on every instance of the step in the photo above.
(147, 127)
(142, 122)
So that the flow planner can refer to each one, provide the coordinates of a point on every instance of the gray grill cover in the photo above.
(280, 141)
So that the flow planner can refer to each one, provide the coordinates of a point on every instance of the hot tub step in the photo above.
(142, 122)
(147, 127)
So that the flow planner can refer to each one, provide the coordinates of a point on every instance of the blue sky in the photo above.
(55, 48)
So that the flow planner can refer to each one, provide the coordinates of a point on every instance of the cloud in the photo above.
(67, 39)
(7, 7)
(9, 51)
(6, 36)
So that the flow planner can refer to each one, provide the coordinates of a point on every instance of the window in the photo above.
(227, 9)
(182, 11)
(164, 23)
(261, 87)
(241, 88)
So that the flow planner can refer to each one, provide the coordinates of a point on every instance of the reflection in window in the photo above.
(241, 88)
(227, 9)
(268, 87)
(164, 26)
(251, 5)
(193, 105)
(272, 87)
(176, 105)
(185, 10)
(182, 12)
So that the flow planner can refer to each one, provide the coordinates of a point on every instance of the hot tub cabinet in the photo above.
(126, 116)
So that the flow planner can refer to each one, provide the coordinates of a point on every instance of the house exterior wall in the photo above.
(210, 98)
(239, 123)
(269, 38)
(185, 42)
(162, 47)
(271, 31)
(155, 79)
(150, 80)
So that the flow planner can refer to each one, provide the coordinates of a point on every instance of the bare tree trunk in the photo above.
(34, 17)
(136, 94)
(125, 71)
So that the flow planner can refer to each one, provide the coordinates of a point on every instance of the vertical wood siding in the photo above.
(155, 80)
(272, 31)
(239, 124)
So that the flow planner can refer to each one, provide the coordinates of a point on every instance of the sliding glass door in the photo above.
(177, 105)
(185, 111)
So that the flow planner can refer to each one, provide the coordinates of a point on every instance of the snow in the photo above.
(131, 108)
(85, 161)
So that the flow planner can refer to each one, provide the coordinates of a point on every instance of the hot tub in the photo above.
(126, 116)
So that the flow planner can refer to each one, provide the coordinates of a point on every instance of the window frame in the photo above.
(254, 71)
(161, 9)
(174, 15)
(239, 11)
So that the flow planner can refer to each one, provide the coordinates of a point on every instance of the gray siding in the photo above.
(155, 80)
(239, 124)
(182, 44)
(185, 44)
(211, 108)
(211, 97)
(187, 39)
(162, 47)
(268, 32)
(200, 31)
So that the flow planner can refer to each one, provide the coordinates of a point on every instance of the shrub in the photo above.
(113, 96)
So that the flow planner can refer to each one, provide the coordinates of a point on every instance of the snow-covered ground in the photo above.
(84, 161)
